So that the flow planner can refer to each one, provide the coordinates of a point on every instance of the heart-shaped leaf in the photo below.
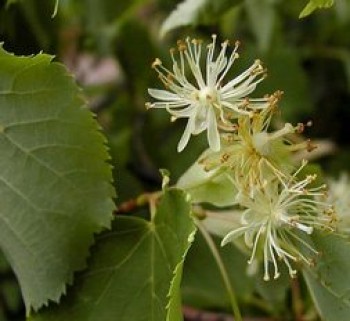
(135, 270)
(54, 181)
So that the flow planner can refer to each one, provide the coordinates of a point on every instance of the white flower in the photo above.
(277, 216)
(203, 97)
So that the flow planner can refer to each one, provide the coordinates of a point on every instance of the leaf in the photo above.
(203, 286)
(212, 187)
(275, 291)
(9, 2)
(193, 12)
(54, 181)
(329, 281)
(104, 18)
(315, 4)
(131, 270)
(262, 19)
(296, 102)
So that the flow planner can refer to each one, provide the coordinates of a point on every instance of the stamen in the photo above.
(157, 62)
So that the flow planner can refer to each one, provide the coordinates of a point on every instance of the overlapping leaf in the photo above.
(203, 286)
(54, 181)
(135, 269)
(329, 281)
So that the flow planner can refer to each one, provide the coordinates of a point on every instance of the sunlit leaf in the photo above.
(54, 181)
(315, 4)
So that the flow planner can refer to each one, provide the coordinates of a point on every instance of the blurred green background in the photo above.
(109, 46)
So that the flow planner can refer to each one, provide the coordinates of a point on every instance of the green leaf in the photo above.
(54, 181)
(214, 187)
(203, 286)
(296, 102)
(131, 270)
(103, 20)
(315, 4)
(329, 280)
(275, 291)
(9, 2)
(194, 12)
(261, 14)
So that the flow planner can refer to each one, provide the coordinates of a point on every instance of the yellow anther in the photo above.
(156, 62)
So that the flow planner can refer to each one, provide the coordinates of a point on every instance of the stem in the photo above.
(133, 204)
(223, 272)
(296, 300)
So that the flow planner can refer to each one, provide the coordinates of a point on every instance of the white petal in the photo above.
(163, 95)
(234, 235)
(213, 133)
(201, 119)
(239, 92)
(249, 238)
(168, 105)
(182, 113)
(186, 135)
(240, 78)
(304, 228)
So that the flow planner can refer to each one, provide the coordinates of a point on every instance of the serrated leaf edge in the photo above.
(48, 59)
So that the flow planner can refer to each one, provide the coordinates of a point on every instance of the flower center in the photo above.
(261, 143)
(207, 95)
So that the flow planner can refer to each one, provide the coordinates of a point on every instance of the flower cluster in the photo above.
(279, 205)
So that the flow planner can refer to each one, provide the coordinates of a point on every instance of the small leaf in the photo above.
(315, 4)
(329, 280)
(54, 181)
(135, 269)
(193, 12)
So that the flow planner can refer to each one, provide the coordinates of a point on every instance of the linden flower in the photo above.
(339, 195)
(204, 98)
(276, 218)
(253, 154)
